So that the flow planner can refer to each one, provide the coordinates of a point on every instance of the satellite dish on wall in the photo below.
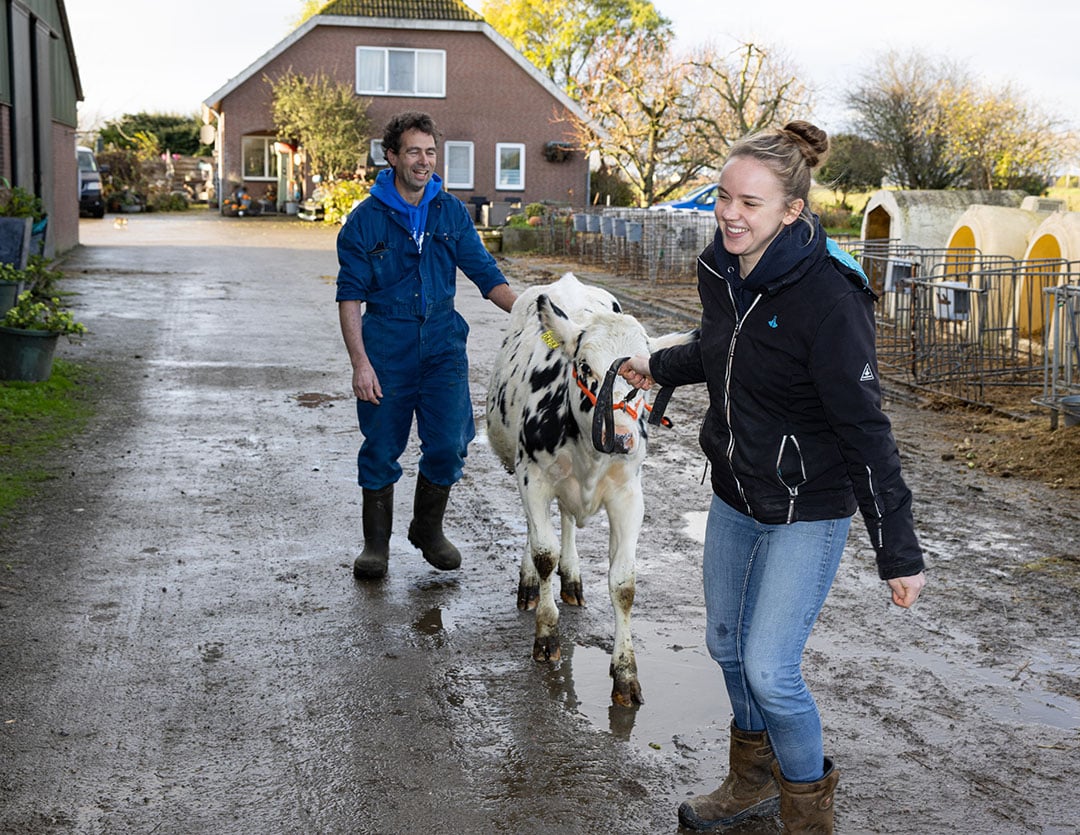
(207, 134)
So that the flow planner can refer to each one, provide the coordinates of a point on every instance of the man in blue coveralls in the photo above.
(399, 252)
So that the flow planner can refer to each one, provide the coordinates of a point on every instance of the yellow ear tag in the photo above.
(549, 339)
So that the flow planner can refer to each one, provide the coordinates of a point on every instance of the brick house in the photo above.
(39, 93)
(505, 134)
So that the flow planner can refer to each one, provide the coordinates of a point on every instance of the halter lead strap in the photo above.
(603, 424)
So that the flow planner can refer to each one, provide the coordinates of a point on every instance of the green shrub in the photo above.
(837, 217)
(535, 210)
(37, 278)
(16, 201)
(32, 313)
(172, 201)
(339, 197)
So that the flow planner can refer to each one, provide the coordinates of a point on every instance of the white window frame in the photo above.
(269, 162)
(382, 87)
(500, 185)
(378, 156)
(448, 148)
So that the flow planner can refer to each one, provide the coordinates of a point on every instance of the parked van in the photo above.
(90, 202)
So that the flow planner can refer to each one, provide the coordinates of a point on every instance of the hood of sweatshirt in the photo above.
(783, 261)
(386, 192)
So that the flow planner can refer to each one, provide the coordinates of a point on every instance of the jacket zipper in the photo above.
(875, 535)
(727, 393)
(793, 491)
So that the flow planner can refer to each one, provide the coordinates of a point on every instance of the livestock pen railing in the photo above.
(1061, 359)
(955, 321)
(968, 324)
(649, 245)
(964, 323)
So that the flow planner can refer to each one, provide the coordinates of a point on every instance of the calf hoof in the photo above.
(627, 694)
(547, 649)
(528, 597)
(571, 592)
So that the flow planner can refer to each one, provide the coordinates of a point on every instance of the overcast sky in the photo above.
(147, 55)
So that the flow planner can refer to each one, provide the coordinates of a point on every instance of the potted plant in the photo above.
(16, 201)
(10, 284)
(130, 201)
(36, 276)
(29, 332)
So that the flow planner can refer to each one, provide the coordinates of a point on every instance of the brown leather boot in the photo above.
(748, 790)
(425, 530)
(378, 517)
(807, 808)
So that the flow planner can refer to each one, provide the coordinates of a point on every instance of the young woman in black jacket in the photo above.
(797, 441)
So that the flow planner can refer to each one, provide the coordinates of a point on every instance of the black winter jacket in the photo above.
(794, 429)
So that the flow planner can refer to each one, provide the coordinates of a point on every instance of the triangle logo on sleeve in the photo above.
(867, 374)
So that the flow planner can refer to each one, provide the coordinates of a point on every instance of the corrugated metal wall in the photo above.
(64, 75)
(5, 51)
(39, 82)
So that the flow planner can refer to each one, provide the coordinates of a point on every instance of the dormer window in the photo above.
(400, 72)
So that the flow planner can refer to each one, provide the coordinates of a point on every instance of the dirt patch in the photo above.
(1009, 448)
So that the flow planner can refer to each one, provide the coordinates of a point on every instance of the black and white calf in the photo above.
(541, 405)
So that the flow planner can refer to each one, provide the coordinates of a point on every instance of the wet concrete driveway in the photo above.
(183, 648)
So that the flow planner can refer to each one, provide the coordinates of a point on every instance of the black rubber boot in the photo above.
(378, 522)
(425, 530)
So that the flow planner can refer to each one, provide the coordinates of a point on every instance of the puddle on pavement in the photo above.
(1022, 700)
(314, 399)
(682, 686)
(685, 698)
(434, 622)
(695, 525)
(1017, 699)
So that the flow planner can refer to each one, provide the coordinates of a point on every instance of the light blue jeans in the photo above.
(764, 588)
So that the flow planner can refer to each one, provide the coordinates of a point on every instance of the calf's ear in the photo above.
(554, 321)
(669, 339)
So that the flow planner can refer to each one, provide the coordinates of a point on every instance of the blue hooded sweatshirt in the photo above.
(386, 192)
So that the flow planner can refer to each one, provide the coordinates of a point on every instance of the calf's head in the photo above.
(591, 347)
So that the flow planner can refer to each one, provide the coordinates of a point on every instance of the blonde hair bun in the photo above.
(811, 140)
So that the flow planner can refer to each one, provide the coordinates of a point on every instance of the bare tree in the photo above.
(663, 121)
(744, 91)
(1002, 140)
(901, 108)
(938, 127)
(634, 94)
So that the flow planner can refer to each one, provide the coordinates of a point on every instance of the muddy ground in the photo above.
(183, 648)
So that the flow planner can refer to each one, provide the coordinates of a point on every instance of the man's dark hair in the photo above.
(410, 120)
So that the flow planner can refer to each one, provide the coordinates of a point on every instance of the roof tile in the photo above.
(402, 9)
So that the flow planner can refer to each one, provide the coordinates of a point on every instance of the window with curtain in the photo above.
(510, 166)
(459, 164)
(400, 72)
(260, 160)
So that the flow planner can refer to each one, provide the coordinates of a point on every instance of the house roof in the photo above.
(437, 15)
(407, 9)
